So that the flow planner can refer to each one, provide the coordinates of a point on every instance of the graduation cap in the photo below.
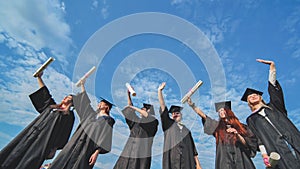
(174, 108)
(149, 107)
(225, 105)
(250, 91)
(110, 105)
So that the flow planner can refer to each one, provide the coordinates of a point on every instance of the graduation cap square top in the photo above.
(110, 105)
(175, 108)
(250, 91)
(149, 107)
(225, 105)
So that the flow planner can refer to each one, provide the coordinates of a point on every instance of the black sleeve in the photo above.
(130, 117)
(66, 124)
(105, 139)
(251, 142)
(149, 124)
(166, 121)
(252, 128)
(276, 97)
(193, 145)
(209, 125)
(41, 99)
(82, 105)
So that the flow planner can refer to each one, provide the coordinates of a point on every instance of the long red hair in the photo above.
(234, 122)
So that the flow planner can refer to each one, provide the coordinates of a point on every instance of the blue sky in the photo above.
(146, 43)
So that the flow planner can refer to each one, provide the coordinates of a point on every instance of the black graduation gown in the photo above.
(137, 151)
(232, 156)
(51, 129)
(179, 147)
(269, 137)
(92, 134)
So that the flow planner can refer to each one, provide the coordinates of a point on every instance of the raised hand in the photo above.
(162, 86)
(190, 102)
(268, 62)
(39, 75)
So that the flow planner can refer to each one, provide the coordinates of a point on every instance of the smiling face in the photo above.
(176, 116)
(103, 106)
(222, 113)
(67, 100)
(254, 98)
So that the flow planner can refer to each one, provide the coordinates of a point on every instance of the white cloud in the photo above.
(63, 7)
(39, 26)
(291, 25)
(95, 4)
(104, 12)
(176, 2)
(2, 38)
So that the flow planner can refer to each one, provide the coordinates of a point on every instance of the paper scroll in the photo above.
(43, 67)
(192, 91)
(130, 89)
(86, 75)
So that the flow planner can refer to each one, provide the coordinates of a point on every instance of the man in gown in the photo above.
(43, 136)
(92, 137)
(137, 151)
(179, 147)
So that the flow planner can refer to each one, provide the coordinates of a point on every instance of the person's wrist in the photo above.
(192, 105)
(266, 161)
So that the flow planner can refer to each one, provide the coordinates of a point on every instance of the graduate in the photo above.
(235, 143)
(270, 123)
(138, 149)
(92, 137)
(179, 148)
(47, 133)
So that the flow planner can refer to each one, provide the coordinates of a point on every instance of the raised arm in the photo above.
(129, 101)
(142, 112)
(82, 85)
(272, 73)
(268, 62)
(160, 96)
(274, 89)
(196, 109)
(40, 80)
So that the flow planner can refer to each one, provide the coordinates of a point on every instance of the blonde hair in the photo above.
(262, 104)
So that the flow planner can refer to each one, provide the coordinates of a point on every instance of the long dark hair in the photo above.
(71, 104)
(234, 122)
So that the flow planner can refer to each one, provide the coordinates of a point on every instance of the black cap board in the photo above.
(149, 107)
(250, 91)
(225, 105)
(110, 105)
(175, 108)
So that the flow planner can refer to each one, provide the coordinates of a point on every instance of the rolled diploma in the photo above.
(130, 89)
(192, 91)
(274, 158)
(86, 75)
(43, 67)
